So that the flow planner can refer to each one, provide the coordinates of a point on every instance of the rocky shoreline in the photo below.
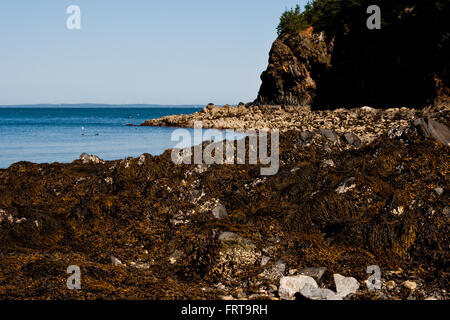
(366, 122)
(357, 188)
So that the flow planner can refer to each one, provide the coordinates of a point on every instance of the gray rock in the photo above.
(276, 272)
(289, 286)
(315, 273)
(220, 212)
(305, 138)
(439, 190)
(330, 135)
(352, 139)
(233, 237)
(279, 267)
(345, 285)
(432, 128)
(229, 236)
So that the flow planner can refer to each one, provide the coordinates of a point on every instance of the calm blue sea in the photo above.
(61, 133)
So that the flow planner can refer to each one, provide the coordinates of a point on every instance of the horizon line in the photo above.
(100, 104)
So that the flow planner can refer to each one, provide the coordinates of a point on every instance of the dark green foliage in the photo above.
(336, 16)
(292, 21)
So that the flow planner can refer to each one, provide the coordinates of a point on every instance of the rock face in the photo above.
(295, 63)
(343, 63)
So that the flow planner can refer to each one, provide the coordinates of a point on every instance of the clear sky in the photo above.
(136, 51)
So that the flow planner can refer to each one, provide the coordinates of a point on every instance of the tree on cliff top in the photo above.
(324, 15)
(292, 20)
(338, 17)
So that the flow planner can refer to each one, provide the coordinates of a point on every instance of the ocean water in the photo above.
(45, 134)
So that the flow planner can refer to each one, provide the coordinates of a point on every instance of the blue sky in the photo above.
(136, 51)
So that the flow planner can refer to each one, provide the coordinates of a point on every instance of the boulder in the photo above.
(345, 285)
(290, 285)
(352, 139)
(431, 128)
(88, 158)
(330, 135)
(315, 273)
(220, 212)
(313, 293)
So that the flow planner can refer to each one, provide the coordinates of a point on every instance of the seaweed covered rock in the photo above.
(388, 214)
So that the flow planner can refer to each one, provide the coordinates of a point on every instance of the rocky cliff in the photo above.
(343, 63)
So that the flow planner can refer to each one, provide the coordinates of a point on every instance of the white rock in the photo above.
(88, 158)
(115, 261)
(345, 285)
(289, 286)
(310, 292)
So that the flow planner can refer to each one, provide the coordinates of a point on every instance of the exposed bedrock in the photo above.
(403, 64)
